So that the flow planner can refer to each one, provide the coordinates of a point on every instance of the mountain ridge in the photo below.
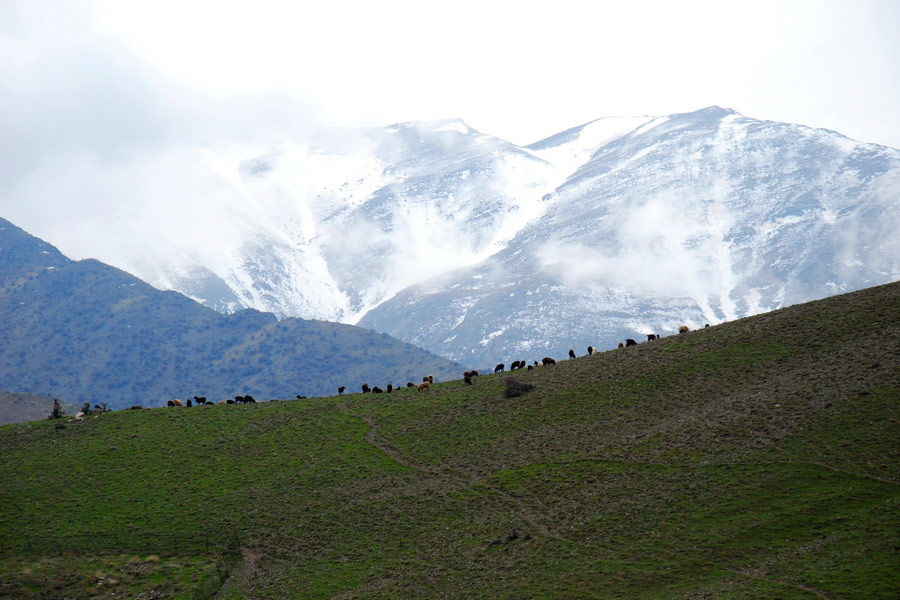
(87, 332)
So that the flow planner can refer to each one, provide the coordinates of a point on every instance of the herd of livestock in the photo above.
(427, 381)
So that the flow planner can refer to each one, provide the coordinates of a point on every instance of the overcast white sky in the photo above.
(519, 70)
(90, 91)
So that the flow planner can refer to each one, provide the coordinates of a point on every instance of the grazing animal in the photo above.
(188, 403)
(221, 402)
(621, 345)
(424, 386)
(590, 350)
(238, 399)
(390, 388)
(431, 379)
(530, 367)
(170, 403)
(515, 365)
(177, 402)
(136, 407)
(230, 401)
(248, 399)
(683, 329)
(299, 397)
(365, 388)
(499, 368)
(467, 378)
(200, 399)
(537, 364)
(474, 373)
(341, 390)
(630, 342)
(650, 337)
(705, 326)
(548, 361)
(410, 384)
(377, 390)
(571, 353)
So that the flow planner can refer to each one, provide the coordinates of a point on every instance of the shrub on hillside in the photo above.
(57, 412)
(515, 388)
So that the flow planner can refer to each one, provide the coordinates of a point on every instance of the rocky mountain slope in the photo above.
(85, 331)
(18, 408)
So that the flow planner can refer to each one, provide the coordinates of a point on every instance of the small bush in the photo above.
(57, 412)
(516, 388)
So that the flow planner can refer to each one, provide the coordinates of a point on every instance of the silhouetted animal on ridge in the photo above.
(365, 388)
(630, 342)
(571, 353)
(499, 368)
(341, 390)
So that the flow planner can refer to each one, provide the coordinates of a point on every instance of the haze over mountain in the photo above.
(482, 250)
(84, 331)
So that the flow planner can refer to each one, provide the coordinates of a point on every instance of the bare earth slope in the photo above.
(755, 459)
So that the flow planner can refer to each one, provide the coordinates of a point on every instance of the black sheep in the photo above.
(590, 350)
(548, 361)
(499, 368)
(410, 384)
(571, 353)
(189, 402)
(365, 388)
(630, 342)
(377, 390)
(390, 388)
(341, 390)
(248, 399)
(238, 400)
(651, 337)
(467, 378)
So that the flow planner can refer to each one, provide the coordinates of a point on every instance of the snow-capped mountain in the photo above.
(485, 251)
(688, 219)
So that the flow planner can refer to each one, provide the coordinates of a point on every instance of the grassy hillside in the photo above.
(756, 459)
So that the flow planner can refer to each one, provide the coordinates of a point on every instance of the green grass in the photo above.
(756, 459)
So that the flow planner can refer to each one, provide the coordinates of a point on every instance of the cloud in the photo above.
(658, 247)
(86, 124)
